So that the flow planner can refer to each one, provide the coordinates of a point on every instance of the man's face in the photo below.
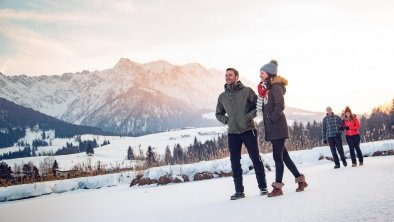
(329, 111)
(230, 77)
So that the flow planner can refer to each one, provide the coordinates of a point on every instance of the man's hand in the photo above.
(252, 114)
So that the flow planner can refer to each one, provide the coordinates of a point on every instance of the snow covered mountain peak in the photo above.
(129, 98)
(125, 63)
(116, 99)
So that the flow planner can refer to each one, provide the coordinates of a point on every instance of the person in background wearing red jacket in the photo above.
(353, 136)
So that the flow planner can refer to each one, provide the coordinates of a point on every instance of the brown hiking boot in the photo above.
(354, 164)
(302, 184)
(361, 163)
(277, 191)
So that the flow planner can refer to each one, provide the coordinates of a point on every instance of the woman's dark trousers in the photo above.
(281, 155)
(354, 144)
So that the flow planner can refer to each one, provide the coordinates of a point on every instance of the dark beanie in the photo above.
(271, 68)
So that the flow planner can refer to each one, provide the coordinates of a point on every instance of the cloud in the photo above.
(27, 39)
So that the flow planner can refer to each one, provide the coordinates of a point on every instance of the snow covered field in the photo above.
(115, 153)
(310, 157)
(347, 194)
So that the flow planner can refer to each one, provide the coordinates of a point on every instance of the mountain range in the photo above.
(129, 98)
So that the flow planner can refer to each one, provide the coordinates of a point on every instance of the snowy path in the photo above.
(347, 194)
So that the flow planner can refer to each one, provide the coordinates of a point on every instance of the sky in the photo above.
(334, 53)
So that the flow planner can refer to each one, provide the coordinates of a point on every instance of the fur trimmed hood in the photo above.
(279, 79)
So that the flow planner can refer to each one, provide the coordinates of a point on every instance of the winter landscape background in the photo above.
(107, 108)
(142, 137)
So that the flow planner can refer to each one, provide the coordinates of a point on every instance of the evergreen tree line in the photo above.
(209, 150)
(9, 135)
(83, 146)
(28, 172)
(26, 152)
(36, 143)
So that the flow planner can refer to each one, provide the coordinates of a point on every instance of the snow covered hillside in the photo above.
(346, 194)
(115, 153)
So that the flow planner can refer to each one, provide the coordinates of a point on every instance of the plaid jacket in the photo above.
(331, 126)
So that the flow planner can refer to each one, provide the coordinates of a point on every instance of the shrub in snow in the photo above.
(147, 181)
(383, 153)
(166, 179)
(136, 180)
(203, 176)
(185, 178)
(181, 179)
(224, 174)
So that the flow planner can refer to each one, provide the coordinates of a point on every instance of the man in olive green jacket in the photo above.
(236, 107)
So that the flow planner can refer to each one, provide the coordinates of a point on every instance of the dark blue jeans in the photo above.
(281, 155)
(235, 141)
(354, 144)
(336, 144)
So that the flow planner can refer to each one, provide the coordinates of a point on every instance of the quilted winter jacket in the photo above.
(275, 123)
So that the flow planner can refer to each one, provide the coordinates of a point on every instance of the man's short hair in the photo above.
(236, 73)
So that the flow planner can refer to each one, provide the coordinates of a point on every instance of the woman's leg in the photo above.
(350, 142)
(356, 140)
(290, 164)
(277, 151)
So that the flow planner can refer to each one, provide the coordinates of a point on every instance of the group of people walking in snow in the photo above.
(333, 127)
(237, 107)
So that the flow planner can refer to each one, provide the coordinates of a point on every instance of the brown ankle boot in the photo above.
(277, 191)
(302, 184)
